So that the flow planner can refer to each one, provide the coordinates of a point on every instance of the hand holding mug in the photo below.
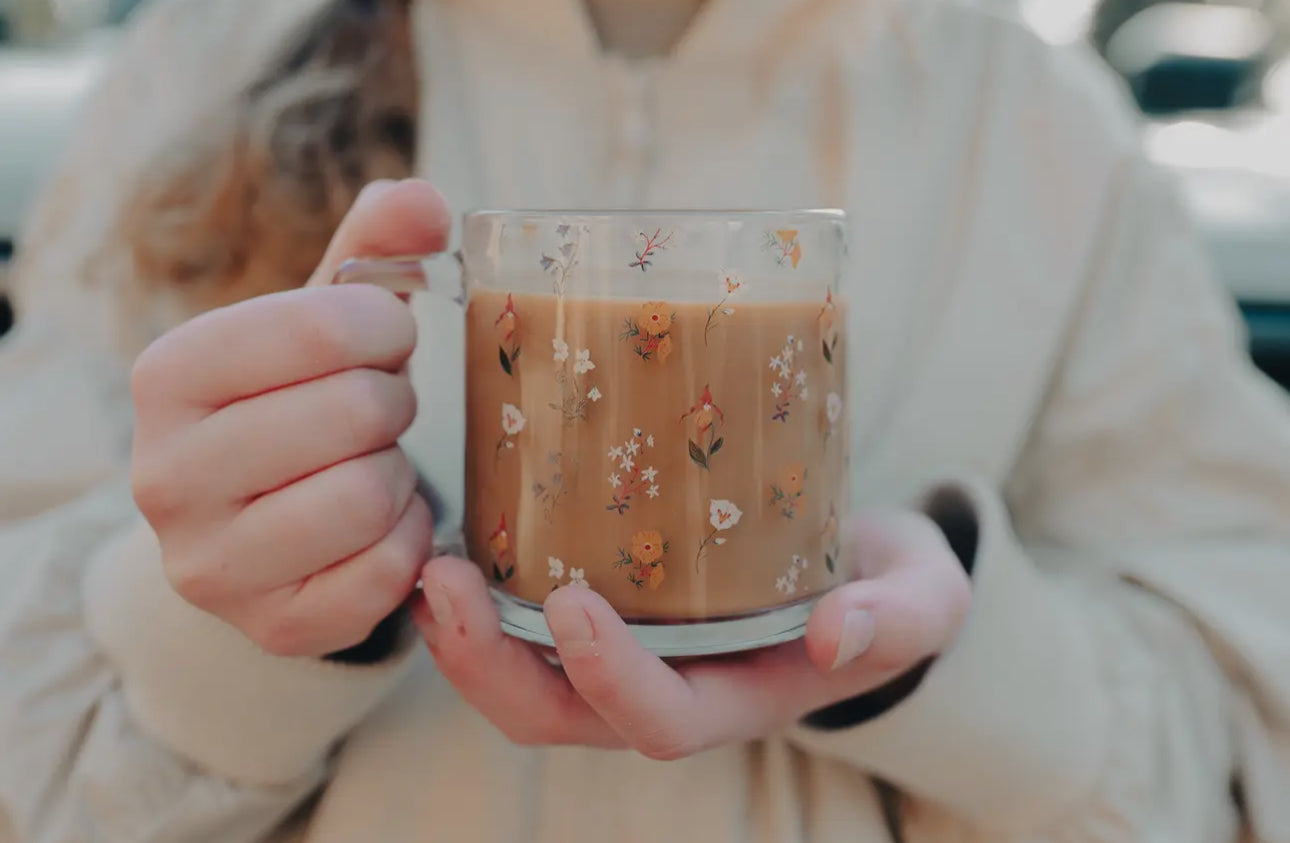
(907, 604)
(266, 450)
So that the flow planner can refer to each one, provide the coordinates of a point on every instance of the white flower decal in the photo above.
(635, 479)
(583, 363)
(833, 406)
(723, 515)
(594, 394)
(788, 583)
(561, 350)
(512, 419)
(555, 568)
(577, 576)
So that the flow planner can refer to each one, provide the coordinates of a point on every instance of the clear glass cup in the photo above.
(656, 409)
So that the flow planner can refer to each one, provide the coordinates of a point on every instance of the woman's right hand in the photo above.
(266, 452)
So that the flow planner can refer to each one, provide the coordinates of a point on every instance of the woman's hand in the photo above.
(908, 604)
(266, 450)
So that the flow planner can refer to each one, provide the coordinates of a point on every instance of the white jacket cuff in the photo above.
(207, 692)
(1008, 720)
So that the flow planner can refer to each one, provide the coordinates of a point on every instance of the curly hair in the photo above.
(247, 202)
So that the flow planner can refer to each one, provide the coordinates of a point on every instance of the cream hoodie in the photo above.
(1034, 321)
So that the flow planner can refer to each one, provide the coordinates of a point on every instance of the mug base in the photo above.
(674, 640)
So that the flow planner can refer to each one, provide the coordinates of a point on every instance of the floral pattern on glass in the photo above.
(507, 327)
(565, 259)
(643, 561)
(830, 536)
(630, 477)
(788, 583)
(650, 331)
(730, 284)
(830, 417)
(829, 333)
(513, 422)
(785, 246)
(499, 552)
(788, 383)
(650, 246)
(786, 493)
(556, 569)
(551, 491)
(723, 515)
(576, 391)
(706, 420)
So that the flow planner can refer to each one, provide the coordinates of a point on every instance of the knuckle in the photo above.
(197, 583)
(323, 329)
(157, 495)
(374, 500)
(664, 744)
(150, 375)
(283, 635)
(373, 408)
(393, 571)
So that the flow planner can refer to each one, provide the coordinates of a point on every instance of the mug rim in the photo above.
(716, 215)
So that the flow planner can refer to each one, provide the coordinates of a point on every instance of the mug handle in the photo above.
(439, 274)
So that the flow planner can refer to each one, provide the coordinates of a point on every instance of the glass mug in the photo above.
(656, 410)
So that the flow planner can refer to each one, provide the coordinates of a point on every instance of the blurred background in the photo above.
(1211, 79)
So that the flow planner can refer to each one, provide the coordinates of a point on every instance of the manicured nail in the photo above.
(857, 635)
(440, 606)
(571, 627)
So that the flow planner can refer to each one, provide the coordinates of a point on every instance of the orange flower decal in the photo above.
(507, 326)
(707, 419)
(651, 331)
(499, 548)
(793, 479)
(647, 546)
(786, 493)
(655, 318)
(785, 246)
(644, 560)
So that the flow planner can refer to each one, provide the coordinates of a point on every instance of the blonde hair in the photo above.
(247, 202)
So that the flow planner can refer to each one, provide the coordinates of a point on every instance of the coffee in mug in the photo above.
(656, 410)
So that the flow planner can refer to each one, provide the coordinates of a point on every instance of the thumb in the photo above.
(887, 625)
(388, 219)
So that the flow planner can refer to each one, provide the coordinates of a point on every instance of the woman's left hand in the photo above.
(907, 603)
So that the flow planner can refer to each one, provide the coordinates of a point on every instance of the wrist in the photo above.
(385, 640)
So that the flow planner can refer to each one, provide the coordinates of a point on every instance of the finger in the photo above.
(339, 607)
(309, 525)
(266, 343)
(653, 707)
(885, 626)
(388, 219)
(312, 426)
(503, 678)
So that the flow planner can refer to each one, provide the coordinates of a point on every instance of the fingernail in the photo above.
(571, 627)
(373, 189)
(440, 606)
(857, 635)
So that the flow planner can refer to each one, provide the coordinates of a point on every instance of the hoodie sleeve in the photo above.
(1122, 674)
(125, 714)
